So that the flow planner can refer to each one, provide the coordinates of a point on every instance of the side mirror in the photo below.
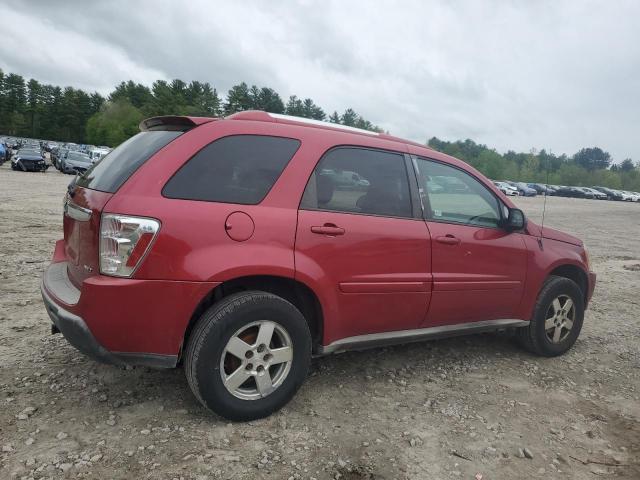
(515, 221)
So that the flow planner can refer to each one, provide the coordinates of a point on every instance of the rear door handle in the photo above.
(328, 229)
(448, 240)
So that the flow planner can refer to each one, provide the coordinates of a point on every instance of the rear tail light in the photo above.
(124, 241)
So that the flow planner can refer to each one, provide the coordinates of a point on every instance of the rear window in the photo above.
(114, 169)
(235, 169)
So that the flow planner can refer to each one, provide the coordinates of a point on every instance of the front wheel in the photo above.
(557, 318)
(248, 355)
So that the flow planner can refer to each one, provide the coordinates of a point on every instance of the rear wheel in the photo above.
(248, 355)
(557, 318)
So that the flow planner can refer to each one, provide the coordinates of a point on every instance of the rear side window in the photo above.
(235, 169)
(114, 169)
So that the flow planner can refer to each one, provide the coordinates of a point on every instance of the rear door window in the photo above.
(114, 169)
(234, 169)
(359, 180)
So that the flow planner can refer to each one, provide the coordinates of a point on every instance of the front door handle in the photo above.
(328, 229)
(448, 240)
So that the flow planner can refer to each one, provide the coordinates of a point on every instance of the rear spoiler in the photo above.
(173, 123)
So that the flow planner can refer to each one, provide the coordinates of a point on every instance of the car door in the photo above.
(479, 269)
(361, 243)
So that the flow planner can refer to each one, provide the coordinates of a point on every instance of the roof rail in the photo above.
(260, 116)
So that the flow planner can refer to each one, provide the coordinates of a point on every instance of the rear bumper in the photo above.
(122, 321)
(75, 330)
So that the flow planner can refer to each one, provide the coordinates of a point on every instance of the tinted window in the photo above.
(236, 169)
(114, 169)
(452, 195)
(357, 180)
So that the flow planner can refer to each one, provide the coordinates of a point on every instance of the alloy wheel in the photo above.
(559, 319)
(256, 360)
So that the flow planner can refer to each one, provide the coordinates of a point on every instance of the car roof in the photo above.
(262, 116)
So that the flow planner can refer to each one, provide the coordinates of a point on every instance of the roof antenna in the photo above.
(544, 205)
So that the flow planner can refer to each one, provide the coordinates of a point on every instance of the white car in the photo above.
(506, 188)
(633, 196)
(96, 154)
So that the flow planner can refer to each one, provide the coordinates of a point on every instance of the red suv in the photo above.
(244, 246)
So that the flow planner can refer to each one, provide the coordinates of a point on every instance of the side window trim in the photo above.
(415, 208)
(425, 198)
(417, 205)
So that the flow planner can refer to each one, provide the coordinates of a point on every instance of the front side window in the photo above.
(359, 180)
(452, 195)
(235, 169)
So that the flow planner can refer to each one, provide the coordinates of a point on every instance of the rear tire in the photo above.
(557, 318)
(261, 375)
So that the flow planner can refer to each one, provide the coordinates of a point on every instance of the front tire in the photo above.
(248, 355)
(557, 318)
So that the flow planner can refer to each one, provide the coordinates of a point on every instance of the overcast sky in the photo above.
(559, 75)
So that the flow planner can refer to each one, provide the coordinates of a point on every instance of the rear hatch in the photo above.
(89, 193)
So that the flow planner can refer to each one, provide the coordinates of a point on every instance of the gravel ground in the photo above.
(473, 407)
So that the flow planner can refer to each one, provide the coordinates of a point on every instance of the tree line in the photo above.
(29, 108)
(587, 167)
(37, 110)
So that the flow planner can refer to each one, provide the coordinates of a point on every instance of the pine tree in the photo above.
(238, 99)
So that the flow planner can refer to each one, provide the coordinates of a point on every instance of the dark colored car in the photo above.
(573, 192)
(610, 193)
(58, 155)
(224, 245)
(29, 160)
(598, 195)
(523, 189)
(541, 188)
(76, 162)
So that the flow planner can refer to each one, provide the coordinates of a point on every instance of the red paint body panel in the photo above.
(380, 274)
(376, 277)
(81, 246)
(481, 278)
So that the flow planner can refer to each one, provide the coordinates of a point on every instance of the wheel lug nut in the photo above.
(248, 354)
(249, 366)
(268, 357)
(261, 348)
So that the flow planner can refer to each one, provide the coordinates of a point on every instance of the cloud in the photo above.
(514, 75)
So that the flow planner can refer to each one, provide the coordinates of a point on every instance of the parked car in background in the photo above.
(224, 245)
(4, 151)
(523, 189)
(506, 188)
(449, 184)
(96, 154)
(573, 192)
(633, 196)
(58, 156)
(598, 195)
(29, 160)
(76, 162)
(541, 188)
(611, 193)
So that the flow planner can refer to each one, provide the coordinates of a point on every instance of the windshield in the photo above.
(78, 157)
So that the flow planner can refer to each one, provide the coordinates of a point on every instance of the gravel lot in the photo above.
(472, 407)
